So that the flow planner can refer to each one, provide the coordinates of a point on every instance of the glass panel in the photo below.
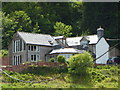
(31, 48)
(24, 45)
(20, 45)
(34, 57)
(31, 57)
(14, 60)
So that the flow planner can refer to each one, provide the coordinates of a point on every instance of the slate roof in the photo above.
(37, 39)
(66, 50)
(73, 41)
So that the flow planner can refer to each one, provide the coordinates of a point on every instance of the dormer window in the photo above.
(84, 44)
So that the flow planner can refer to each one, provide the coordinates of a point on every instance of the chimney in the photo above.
(100, 32)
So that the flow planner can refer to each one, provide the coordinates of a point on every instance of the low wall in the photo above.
(4, 61)
(21, 67)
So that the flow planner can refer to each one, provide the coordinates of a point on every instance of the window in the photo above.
(32, 57)
(17, 60)
(18, 45)
(35, 57)
(29, 47)
(33, 48)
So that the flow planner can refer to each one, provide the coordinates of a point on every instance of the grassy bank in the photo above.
(54, 77)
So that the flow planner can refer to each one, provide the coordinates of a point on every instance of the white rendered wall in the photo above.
(101, 47)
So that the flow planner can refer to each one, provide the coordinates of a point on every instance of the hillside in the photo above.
(68, 19)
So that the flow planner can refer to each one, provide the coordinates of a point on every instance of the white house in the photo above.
(96, 44)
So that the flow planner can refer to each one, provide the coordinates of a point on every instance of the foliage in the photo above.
(100, 76)
(16, 21)
(4, 53)
(62, 29)
(61, 59)
(97, 14)
(42, 17)
(80, 64)
(52, 60)
(44, 70)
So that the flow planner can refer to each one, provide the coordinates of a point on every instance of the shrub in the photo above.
(4, 53)
(52, 60)
(80, 64)
(61, 59)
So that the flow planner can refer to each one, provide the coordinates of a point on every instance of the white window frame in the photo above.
(16, 46)
(30, 48)
(17, 59)
(35, 56)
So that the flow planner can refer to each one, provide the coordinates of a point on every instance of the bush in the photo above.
(52, 60)
(4, 53)
(80, 64)
(61, 59)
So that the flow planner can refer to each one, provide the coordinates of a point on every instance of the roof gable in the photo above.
(104, 42)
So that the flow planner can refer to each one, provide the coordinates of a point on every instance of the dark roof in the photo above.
(37, 39)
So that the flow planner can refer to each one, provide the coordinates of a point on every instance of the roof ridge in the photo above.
(33, 33)
(83, 36)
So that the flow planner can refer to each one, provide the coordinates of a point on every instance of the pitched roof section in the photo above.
(38, 39)
(66, 50)
(73, 41)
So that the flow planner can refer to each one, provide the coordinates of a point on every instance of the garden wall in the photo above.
(4, 61)
(21, 67)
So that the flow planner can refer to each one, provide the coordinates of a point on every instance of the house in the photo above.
(96, 44)
(31, 47)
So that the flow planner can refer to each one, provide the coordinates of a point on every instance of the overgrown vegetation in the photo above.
(79, 73)
(102, 77)
(80, 64)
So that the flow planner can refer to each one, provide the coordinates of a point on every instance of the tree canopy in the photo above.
(59, 18)
(62, 29)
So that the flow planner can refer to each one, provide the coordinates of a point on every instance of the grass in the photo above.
(103, 77)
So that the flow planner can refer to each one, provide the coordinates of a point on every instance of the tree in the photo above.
(80, 64)
(100, 14)
(62, 29)
(16, 21)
